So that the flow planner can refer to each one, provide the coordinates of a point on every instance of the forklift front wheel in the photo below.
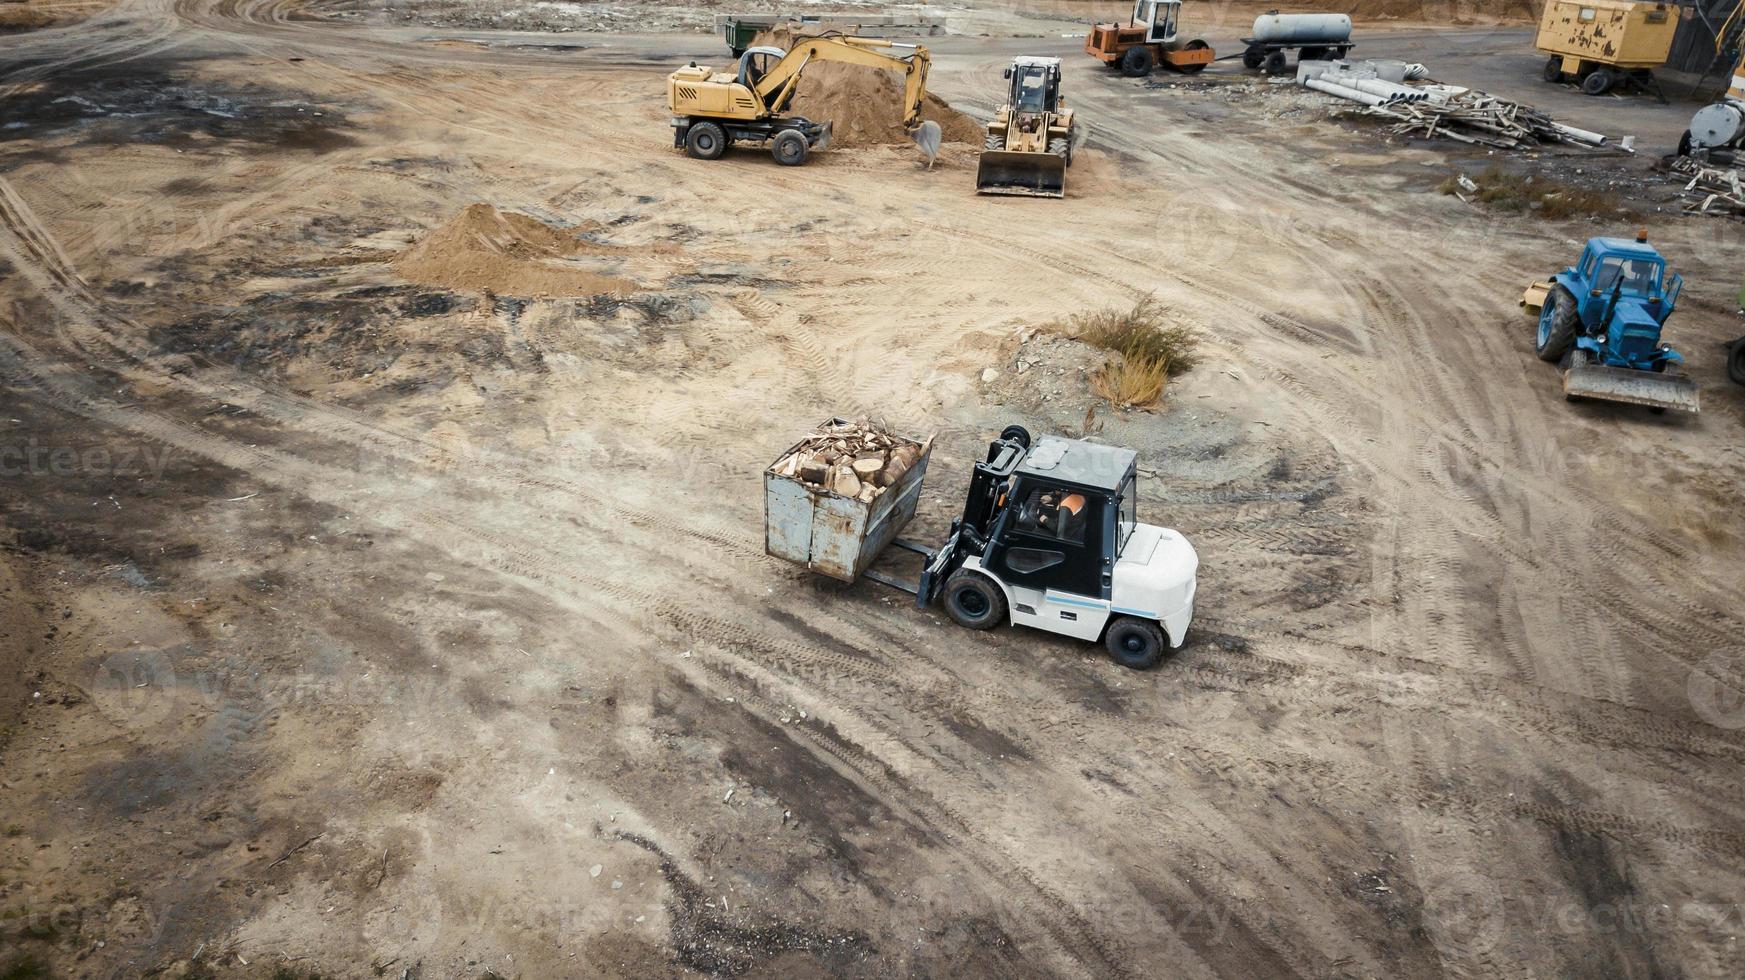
(1135, 643)
(973, 601)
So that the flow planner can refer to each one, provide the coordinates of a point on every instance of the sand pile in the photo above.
(864, 104)
(485, 249)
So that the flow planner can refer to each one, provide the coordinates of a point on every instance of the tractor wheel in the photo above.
(993, 141)
(1135, 643)
(789, 148)
(1138, 61)
(1554, 69)
(1275, 63)
(1598, 82)
(1252, 56)
(1195, 45)
(973, 601)
(1736, 361)
(1558, 322)
(705, 141)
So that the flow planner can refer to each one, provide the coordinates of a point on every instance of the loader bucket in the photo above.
(1635, 387)
(1021, 174)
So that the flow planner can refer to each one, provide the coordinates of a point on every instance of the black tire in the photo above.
(973, 601)
(1554, 69)
(737, 52)
(705, 141)
(1060, 147)
(1135, 643)
(1736, 361)
(1598, 82)
(1684, 144)
(789, 148)
(1138, 61)
(1018, 433)
(993, 141)
(1564, 323)
(1275, 63)
(1195, 45)
(1252, 56)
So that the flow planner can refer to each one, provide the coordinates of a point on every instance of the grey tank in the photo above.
(1302, 28)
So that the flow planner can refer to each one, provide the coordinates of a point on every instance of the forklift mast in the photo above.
(988, 482)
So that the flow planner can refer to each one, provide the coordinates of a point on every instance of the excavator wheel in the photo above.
(1138, 61)
(705, 141)
(789, 148)
(1558, 320)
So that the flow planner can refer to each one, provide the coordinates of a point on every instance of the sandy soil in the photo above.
(353, 626)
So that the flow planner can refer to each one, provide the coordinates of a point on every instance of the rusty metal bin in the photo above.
(831, 534)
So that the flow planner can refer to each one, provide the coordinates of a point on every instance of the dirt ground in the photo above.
(356, 625)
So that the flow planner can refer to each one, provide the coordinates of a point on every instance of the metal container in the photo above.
(1619, 33)
(1301, 29)
(834, 535)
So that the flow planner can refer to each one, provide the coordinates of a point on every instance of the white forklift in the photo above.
(1049, 538)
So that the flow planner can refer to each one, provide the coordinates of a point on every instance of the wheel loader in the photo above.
(1600, 320)
(712, 110)
(1029, 143)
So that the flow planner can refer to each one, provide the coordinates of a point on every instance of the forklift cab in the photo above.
(1062, 528)
(1158, 17)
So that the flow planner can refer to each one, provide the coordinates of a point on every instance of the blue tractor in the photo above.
(1600, 320)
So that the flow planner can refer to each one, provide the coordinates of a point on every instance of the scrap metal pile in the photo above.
(856, 459)
(1710, 190)
(1427, 111)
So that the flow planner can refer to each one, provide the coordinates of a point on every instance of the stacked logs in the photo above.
(857, 459)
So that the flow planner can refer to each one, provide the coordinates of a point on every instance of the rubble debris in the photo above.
(1461, 114)
(857, 459)
(1710, 190)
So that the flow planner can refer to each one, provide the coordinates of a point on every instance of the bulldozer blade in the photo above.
(928, 136)
(1634, 387)
(1021, 174)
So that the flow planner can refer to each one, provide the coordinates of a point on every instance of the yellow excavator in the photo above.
(1028, 145)
(712, 110)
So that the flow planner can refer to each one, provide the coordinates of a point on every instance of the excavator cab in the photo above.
(1029, 144)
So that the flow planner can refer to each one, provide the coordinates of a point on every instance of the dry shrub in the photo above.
(1149, 344)
(1542, 197)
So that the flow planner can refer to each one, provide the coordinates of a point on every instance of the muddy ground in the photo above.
(357, 626)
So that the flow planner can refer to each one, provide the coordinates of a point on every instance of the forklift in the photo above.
(1049, 538)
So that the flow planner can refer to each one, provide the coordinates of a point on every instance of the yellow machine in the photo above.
(1602, 43)
(711, 110)
(1029, 144)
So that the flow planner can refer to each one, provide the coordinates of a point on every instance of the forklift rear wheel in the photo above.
(1135, 643)
(1138, 61)
(1554, 69)
(706, 141)
(1016, 433)
(1275, 63)
(789, 148)
(1598, 82)
(973, 601)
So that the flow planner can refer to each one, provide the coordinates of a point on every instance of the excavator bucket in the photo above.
(928, 136)
(1021, 174)
(823, 142)
(1584, 380)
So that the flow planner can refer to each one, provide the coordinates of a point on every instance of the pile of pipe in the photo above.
(1373, 83)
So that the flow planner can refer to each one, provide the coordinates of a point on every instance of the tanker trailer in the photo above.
(1315, 37)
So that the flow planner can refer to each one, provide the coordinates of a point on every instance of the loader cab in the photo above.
(1158, 18)
(1035, 84)
(1070, 509)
